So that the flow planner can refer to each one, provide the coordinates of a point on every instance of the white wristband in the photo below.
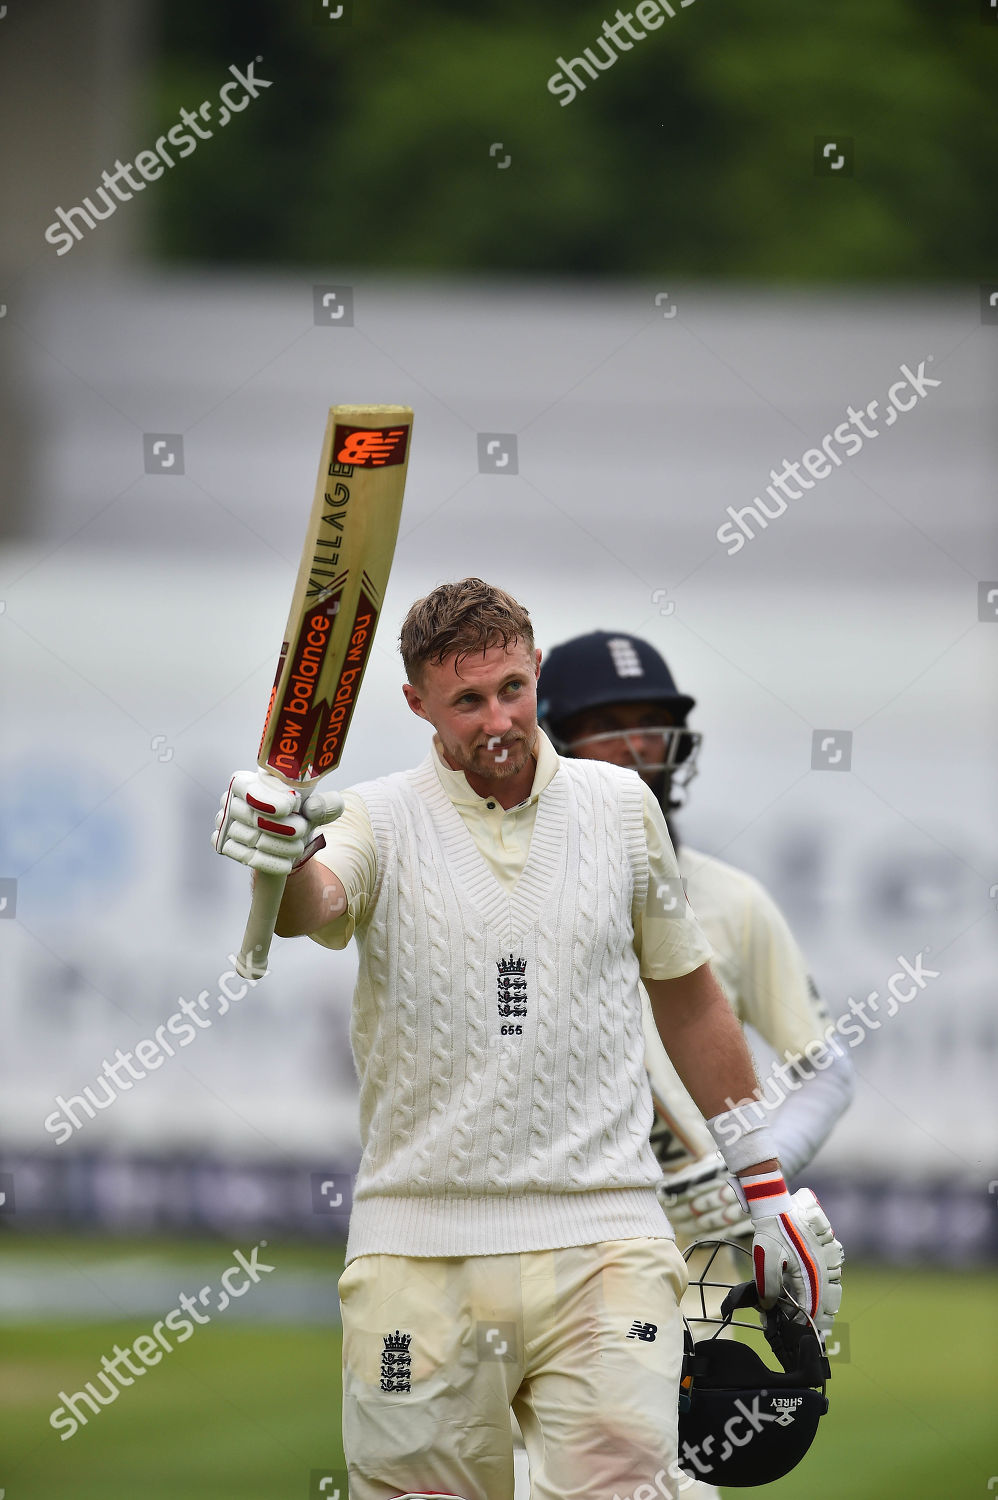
(765, 1195)
(742, 1136)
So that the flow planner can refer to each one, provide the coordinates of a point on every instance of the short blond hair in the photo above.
(462, 618)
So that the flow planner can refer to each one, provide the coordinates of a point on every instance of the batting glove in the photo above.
(832, 1255)
(266, 825)
(793, 1247)
(701, 1202)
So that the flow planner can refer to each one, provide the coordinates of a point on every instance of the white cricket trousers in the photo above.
(584, 1344)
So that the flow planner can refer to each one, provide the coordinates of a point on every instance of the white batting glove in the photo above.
(831, 1253)
(265, 825)
(793, 1246)
(701, 1202)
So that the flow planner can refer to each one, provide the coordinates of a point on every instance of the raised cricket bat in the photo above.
(337, 600)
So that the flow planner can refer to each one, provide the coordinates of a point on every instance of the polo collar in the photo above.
(455, 783)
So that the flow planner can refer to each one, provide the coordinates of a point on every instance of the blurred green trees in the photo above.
(692, 154)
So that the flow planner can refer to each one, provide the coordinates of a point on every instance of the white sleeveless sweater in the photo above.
(504, 1104)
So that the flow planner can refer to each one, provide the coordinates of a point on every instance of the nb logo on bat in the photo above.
(370, 447)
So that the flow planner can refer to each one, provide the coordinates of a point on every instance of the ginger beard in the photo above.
(485, 714)
(488, 760)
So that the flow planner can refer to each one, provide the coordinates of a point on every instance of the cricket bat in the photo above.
(335, 608)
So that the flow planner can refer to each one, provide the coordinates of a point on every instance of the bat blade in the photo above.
(335, 608)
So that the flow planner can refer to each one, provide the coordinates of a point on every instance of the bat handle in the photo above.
(268, 891)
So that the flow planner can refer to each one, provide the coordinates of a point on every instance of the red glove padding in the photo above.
(269, 826)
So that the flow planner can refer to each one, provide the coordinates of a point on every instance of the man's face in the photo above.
(486, 713)
(632, 742)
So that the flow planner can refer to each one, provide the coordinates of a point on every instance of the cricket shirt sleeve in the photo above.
(668, 939)
(352, 855)
(778, 997)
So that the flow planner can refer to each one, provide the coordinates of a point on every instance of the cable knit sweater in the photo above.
(498, 1035)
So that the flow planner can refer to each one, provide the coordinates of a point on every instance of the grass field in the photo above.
(246, 1411)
